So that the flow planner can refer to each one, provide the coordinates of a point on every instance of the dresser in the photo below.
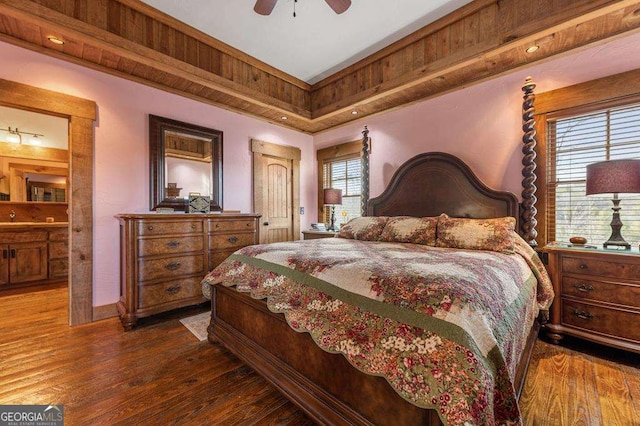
(597, 295)
(165, 256)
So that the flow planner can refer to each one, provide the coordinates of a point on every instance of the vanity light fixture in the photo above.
(55, 40)
(15, 136)
(532, 48)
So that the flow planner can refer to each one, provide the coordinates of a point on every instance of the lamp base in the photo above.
(332, 226)
(616, 239)
(620, 245)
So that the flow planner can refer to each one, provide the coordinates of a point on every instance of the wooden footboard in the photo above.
(324, 385)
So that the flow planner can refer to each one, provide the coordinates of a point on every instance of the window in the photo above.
(340, 167)
(344, 174)
(573, 142)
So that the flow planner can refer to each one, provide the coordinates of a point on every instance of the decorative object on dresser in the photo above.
(332, 197)
(597, 295)
(199, 203)
(614, 176)
(33, 254)
(164, 257)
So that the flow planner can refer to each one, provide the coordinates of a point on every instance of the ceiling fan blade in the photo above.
(264, 7)
(339, 6)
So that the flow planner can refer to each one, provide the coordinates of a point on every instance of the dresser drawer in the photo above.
(217, 257)
(619, 293)
(170, 267)
(232, 225)
(163, 228)
(226, 241)
(179, 244)
(600, 268)
(169, 291)
(609, 321)
(58, 249)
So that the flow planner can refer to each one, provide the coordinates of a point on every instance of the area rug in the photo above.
(198, 324)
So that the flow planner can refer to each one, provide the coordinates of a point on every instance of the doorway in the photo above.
(81, 115)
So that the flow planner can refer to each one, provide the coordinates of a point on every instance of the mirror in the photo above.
(184, 159)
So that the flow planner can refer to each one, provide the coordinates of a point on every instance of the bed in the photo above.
(329, 383)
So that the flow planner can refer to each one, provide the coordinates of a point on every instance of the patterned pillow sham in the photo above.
(366, 228)
(477, 234)
(406, 229)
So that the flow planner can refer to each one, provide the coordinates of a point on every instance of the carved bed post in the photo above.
(528, 212)
(364, 192)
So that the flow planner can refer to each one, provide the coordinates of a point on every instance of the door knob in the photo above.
(265, 223)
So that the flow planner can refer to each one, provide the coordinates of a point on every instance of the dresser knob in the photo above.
(583, 315)
(193, 226)
(173, 290)
(583, 266)
(173, 266)
(217, 225)
(583, 287)
(232, 240)
(150, 228)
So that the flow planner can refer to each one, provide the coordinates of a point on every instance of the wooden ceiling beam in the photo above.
(477, 42)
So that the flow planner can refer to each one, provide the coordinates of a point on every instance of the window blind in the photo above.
(344, 174)
(573, 143)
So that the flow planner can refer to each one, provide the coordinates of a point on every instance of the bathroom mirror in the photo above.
(184, 158)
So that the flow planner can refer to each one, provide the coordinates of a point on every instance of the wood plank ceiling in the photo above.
(481, 40)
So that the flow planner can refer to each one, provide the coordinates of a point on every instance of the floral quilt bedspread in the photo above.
(445, 327)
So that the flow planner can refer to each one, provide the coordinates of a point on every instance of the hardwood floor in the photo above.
(160, 374)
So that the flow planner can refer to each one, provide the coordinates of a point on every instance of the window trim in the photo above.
(343, 151)
(607, 92)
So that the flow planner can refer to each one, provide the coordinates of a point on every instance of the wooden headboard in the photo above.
(435, 182)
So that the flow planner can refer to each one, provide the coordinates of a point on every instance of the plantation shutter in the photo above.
(574, 142)
(344, 174)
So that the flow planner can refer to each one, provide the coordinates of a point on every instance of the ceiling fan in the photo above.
(264, 7)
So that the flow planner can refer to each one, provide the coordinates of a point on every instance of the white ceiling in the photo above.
(317, 42)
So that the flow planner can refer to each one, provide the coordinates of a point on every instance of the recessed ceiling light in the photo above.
(284, 117)
(532, 49)
(354, 112)
(55, 40)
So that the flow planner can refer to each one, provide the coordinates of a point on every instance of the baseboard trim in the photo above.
(105, 312)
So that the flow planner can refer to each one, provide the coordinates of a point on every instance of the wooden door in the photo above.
(276, 187)
(276, 198)
(27, 262)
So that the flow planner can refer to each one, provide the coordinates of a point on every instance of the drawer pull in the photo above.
(583, 266)
(232, 240)
(173, 290)
(583, 287)
(173, 244)
(583, 315)
(13, 253)
(217, 225)
(193, 226)
(150, 228)
(173, 266)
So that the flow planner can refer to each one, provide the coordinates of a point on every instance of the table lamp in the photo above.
(614, 176)
(332, 197)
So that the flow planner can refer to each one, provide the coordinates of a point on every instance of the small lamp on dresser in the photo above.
(332, 197)
(614, 176)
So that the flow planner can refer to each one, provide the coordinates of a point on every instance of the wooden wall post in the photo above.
(528, 213)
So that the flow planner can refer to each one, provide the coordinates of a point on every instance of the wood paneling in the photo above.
(481, 40)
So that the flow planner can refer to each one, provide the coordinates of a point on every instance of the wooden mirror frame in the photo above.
(157, 127)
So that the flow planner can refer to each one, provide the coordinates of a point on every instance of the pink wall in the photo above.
(480, 124)
(121, 162)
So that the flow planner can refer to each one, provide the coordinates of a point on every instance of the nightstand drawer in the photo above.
(170, 291)
(618, 293)
(149, 247)
(170, 267)
(613, 322)
(601, 268)
(227, 241)
(161, 228)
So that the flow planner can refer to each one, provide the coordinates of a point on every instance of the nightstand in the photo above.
(597, 295)
(314, 235)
